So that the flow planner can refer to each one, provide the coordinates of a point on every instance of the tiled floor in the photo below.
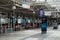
(33, 34)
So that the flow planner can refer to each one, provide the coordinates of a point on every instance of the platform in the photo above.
(32, 34)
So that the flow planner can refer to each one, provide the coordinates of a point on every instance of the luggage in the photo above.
(44, 28)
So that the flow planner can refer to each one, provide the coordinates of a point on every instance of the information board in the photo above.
(41, 12)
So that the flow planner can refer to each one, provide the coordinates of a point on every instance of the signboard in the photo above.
(47, 13)
(41, 12)
(26, 6)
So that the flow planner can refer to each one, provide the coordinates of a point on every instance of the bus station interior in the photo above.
(22, 20)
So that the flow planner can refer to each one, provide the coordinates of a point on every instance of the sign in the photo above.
(26, 6)
(41, 12)
(47, 13)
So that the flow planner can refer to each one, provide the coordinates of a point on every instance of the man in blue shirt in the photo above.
(44, 25)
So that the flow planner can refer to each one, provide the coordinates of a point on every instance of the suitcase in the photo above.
(44, 28)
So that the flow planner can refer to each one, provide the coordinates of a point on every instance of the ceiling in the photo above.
(4, 2)
(46, 5)
(6, 5)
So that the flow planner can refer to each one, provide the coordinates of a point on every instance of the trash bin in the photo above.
(55, 25)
